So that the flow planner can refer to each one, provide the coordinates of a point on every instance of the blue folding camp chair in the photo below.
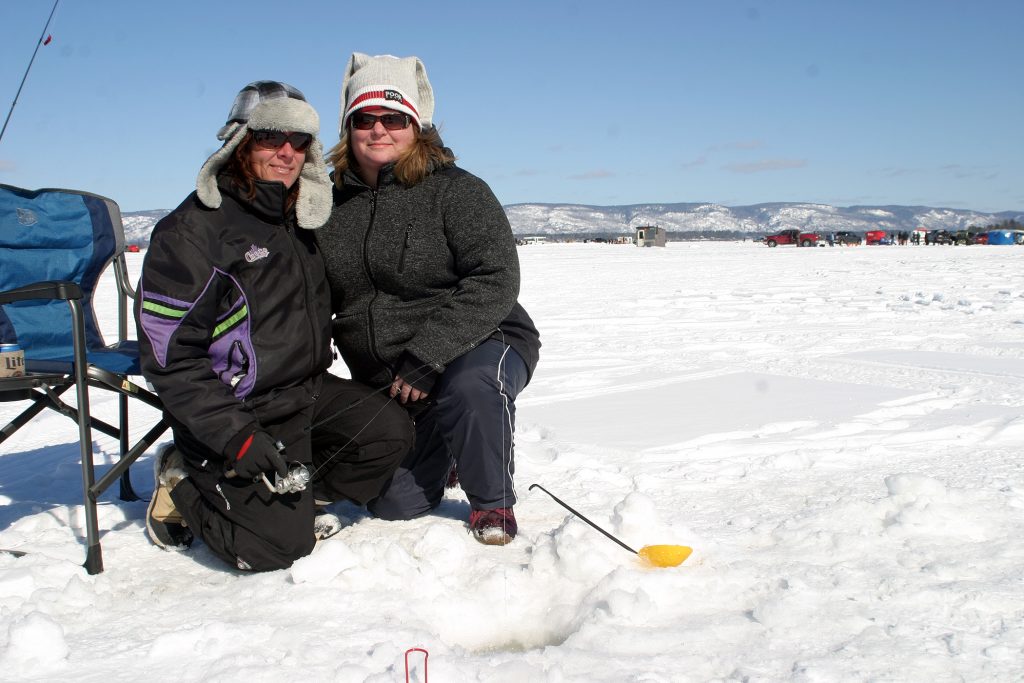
(54, 246)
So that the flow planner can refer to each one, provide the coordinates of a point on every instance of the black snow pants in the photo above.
(470, 422)
(351, 455)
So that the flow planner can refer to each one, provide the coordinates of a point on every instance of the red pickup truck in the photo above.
(801, 239)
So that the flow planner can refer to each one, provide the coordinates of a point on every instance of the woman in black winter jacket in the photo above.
(424, 280)
(234, 315)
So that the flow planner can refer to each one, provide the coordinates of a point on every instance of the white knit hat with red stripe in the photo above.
(397, 83)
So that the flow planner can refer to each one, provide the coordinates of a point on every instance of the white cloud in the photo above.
(737, 145)
(766, 165)
(593, 175)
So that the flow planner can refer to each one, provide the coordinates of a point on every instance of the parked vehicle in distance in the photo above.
(877, 237)
(801, 239)
(965, 237)
(962, 238)
(938, 237)
(846, 239)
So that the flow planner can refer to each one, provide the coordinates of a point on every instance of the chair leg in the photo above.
(94, 559)
(117, 471)
(93, 553)
(126, 492)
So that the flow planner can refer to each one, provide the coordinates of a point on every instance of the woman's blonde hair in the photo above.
(426, 153)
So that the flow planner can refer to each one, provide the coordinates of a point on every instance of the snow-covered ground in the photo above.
(838, 433)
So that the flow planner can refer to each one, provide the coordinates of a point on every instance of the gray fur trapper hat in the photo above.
(313, 207)
(250, 96)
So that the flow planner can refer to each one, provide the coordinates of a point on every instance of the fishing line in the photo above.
(332, 416)
(354, 436)
(299, 475)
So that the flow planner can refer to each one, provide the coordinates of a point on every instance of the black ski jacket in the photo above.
(420, 275)
(234, 315)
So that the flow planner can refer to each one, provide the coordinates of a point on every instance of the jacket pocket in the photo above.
(429, 303)
(238, 365)
(232, 353)
(406, 244)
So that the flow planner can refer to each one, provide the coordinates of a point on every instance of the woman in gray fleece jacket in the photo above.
(424, 281)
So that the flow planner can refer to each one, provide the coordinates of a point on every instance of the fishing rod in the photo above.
(43, 40)
(298, 474)
(660, 555)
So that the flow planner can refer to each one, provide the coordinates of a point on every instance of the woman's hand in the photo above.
(405, 392)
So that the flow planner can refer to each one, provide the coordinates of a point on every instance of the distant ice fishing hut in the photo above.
(650, 236)
(1006, 237)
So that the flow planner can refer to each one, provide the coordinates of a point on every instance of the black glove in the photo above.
(259, 454)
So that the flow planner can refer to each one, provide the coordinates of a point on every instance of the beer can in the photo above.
(12, 360)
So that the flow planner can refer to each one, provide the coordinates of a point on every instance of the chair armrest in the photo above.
(53, 289)
(121, 275)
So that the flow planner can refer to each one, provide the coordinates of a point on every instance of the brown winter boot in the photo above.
(166, 527)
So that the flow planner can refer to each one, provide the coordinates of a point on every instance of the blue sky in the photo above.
(589, 102)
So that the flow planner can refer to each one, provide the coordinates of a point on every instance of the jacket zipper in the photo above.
(310, 301)
(376, 291)
(242, 365)
(369, 277)
(405, 248)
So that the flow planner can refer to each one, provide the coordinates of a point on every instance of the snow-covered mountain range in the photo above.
(695, 218)
(139, 224)
(755, 219)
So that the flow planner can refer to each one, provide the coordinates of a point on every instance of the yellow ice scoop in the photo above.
(655, 555)
(665, 555)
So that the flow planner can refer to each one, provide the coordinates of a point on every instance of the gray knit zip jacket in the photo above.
(420, 275)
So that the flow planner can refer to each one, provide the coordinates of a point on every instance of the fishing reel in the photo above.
(293, 482)
(296, 480)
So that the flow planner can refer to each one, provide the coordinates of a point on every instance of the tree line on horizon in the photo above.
(1001, 225)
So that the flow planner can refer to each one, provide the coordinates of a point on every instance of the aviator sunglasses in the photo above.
(394, 121)
(273, 139)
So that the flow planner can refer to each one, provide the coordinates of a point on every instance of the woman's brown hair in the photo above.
(239, 167)
(426, 153)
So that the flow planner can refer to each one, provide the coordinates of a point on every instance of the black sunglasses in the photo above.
(273, 139)
(363, 121)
